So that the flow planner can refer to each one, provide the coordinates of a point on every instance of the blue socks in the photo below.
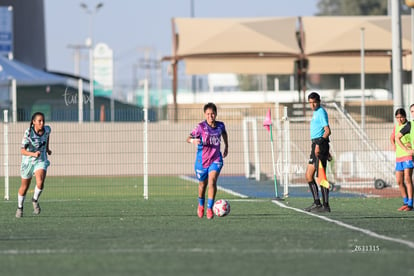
(405, 200)
(408, 201)
(210, 203)
(201, 201)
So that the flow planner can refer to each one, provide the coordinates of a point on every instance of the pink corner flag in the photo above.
(268, 120)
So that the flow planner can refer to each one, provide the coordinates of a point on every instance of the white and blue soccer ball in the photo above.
(221, 208)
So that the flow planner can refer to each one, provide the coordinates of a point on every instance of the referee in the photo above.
(319, 132)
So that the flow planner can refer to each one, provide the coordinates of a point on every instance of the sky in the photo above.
(133, 27)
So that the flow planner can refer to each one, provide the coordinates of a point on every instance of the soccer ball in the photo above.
(221, 208)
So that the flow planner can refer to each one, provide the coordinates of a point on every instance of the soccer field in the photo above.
(84, 232)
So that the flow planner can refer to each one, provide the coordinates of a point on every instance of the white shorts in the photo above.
(27, 170)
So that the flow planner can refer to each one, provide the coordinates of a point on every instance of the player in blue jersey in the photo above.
(319, 132)
(34, 150)
(209, 160)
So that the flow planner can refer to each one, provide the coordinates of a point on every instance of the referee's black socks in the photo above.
(325, 196)
(315, 192)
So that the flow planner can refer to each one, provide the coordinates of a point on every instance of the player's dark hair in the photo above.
(210, 106)
(314, 96)
(34, 117)
(400, 111)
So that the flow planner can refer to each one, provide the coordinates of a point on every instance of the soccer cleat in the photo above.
(36, 207)
(210, 213)
(200, 211)
(19, 212)
(321, 209)
(313, 207)
(408, 208)
(326, 209)
(402, 208)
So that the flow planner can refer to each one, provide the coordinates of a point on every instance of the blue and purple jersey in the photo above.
(208, 151)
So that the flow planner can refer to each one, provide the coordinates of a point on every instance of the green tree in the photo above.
(357, 7)
(335, 8)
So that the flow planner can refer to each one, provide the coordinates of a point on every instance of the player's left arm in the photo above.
(327, 132)
(398, 136)
(47, 144)
(226, 143)
(405, 147)
(325, 123)
(47, 147)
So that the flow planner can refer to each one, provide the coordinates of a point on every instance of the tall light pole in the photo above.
(410, 4)
(90, 44)
(193, 77)
(363, 79)
(396, 55)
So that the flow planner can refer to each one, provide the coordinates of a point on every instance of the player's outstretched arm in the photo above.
(226, 144)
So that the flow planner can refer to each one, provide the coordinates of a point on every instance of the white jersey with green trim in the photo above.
(33, 142)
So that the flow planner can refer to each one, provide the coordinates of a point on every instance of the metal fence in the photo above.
(118, 149)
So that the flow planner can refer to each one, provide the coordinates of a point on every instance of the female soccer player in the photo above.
(401, 143)
(34, 149)
(209, 160)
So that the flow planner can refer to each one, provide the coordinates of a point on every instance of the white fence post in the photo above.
(6, 155)
(80, 100)
(146, 105)
(13, 88)
(286, 152)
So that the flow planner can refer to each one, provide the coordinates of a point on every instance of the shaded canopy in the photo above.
(257, 45)
(26, 75)
(333, 44)
(269, 45)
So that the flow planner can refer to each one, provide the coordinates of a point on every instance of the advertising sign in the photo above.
(6, 31)
(103, 70)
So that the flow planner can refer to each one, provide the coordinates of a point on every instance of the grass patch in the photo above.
(96, 231)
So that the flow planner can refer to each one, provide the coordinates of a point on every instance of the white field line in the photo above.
(202, 250)
(14, 200)
(170, 250)
(218, 187)
(340, 223)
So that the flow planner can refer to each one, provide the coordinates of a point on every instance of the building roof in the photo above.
(269, 45)
(26, 75)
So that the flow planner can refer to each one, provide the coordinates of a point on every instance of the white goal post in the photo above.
(252, 164)
(249, 172)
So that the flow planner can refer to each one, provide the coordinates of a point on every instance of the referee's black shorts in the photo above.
(323, 151)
